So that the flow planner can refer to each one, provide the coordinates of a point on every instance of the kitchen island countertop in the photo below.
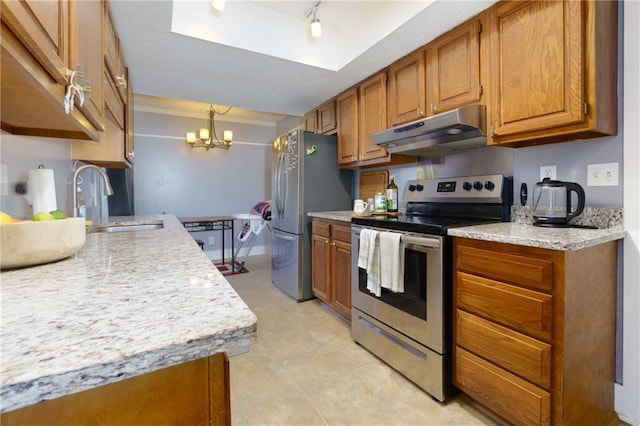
(126, 304)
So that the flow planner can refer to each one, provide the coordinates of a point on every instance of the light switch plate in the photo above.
(602, 174)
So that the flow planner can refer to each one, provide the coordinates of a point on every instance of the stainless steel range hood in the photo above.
(462, 128)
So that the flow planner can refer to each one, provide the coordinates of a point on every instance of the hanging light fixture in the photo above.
(207, 137)
(316, 28)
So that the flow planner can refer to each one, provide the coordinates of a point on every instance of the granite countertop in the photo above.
(343, 216)
(564, 239)
(127, 303)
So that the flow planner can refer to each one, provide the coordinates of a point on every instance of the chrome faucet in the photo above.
(74, 184)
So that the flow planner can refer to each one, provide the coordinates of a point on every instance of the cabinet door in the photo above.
(407, 96)
(310, 121)
(373, 116)
(341, 276)
(86, 37)
(129, 145)
(320, 267)
(347, 112)
(42, 26)
(536, 66)
(326, 117)
(454, 68)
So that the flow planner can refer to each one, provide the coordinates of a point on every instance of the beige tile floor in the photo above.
(304, 369)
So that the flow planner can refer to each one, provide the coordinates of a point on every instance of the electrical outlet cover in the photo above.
(548, 172)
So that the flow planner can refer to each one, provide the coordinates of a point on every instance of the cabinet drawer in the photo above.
(341, 233)
(321, 228)
(509, 396)
(527, 271)
(522, 355)
(527, 311)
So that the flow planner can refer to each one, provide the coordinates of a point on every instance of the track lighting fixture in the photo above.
(316, 28)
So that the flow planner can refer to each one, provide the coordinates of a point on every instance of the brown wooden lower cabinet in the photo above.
(331, 264)
(193, 393)
(534, 331)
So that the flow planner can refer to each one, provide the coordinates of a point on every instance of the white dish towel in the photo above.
(369, 259)
(391, 262)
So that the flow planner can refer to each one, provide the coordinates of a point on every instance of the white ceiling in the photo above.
(258, 56)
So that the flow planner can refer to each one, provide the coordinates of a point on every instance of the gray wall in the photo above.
(171, 177)
(570, 158)
(22, 153)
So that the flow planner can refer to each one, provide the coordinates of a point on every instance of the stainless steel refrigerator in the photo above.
(305, 179)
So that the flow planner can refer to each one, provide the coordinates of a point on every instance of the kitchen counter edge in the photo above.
(562, 239)
(126, 304)
(342, 216)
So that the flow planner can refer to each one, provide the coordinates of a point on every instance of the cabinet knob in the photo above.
(131, 155)
(333, 243)
(492, 131)
(433, 108)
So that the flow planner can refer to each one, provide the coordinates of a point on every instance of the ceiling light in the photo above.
(316, 28)
(218, 4)
(207, 138)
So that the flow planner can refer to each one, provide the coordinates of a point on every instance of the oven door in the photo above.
(418, 312)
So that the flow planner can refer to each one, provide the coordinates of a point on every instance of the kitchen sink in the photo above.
(129, 227)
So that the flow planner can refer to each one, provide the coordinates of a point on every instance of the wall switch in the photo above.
(602, 174)
(212, 240)
(548, 172)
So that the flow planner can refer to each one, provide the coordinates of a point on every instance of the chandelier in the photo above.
(207, 137)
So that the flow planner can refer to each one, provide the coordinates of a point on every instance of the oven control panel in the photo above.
(464, 189)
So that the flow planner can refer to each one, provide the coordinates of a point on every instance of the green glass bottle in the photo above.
(392, 196)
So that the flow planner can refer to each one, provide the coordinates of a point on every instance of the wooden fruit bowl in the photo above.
(30, 243)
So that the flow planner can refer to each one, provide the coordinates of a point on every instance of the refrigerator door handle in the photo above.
(280, 194)
(284, 237)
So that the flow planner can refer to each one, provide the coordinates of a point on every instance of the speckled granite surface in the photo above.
(563, 239)
(126, 304)
(521, 231)
(343, 216)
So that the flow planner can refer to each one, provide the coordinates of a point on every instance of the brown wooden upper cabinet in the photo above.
(553, 71)
(86, 41)
(40, 43)
(407, 96)
(362, 111)
(347, 113)
(372, 116)
(454, 68)
(326, 121)
(115, 147)
(322, 120)
(310, 121)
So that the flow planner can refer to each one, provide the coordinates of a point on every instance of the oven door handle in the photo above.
(421, 241)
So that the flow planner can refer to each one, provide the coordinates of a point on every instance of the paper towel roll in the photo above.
(42, 190)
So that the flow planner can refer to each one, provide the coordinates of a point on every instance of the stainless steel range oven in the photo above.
(411, 329)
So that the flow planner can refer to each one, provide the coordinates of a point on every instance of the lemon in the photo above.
(43, 216)
(5, 217)
(58, 214)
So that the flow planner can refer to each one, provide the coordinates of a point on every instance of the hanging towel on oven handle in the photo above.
(391, 262)
(369, 259)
